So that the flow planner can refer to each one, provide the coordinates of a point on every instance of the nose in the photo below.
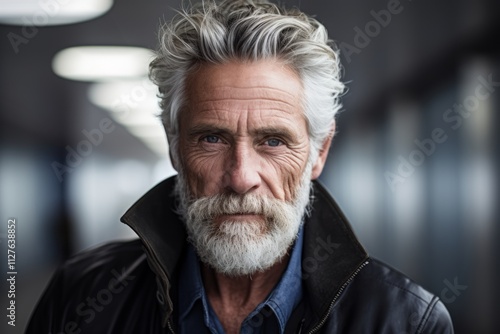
(242, 171)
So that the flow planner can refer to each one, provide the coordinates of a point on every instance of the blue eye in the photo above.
(274, 142)
(211, 139)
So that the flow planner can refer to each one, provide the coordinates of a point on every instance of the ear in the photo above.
(173, 161)
(323, 154)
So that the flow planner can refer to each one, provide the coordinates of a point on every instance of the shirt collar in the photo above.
(190, 283)
(285, 296)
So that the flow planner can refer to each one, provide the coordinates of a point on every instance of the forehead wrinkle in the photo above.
(262, 94)
(264, 108)
(224, 113)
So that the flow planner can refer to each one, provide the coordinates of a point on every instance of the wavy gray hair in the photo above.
(220, 31)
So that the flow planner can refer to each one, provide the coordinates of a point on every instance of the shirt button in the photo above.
(247, 330)
(160, 298)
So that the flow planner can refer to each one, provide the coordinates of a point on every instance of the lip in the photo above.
(240, 217)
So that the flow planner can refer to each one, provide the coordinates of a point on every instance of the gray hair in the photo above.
(217, 32)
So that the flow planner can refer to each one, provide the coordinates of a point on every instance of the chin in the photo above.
(240, 248)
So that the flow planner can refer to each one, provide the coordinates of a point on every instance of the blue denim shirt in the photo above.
(197, 316)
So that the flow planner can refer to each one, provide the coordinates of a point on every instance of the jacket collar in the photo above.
(331, 256)
(154, 219)
(331, 252)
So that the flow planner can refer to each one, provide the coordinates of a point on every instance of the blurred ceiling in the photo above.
(409, 50)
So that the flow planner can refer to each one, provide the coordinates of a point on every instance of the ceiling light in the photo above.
(157, 145)
(131, 103)
(148, 131)
(99, 63)
(47, 13)
(118, 96)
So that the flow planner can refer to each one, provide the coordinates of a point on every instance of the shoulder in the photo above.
(387, 300)
(93, 263)
(387, 279)
(91, 287)
(105, 267)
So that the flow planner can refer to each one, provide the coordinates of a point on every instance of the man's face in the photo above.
(245, 174)
(244, 130)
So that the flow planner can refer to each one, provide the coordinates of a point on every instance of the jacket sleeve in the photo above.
(76, 298)
(48, 315)
(436, 319)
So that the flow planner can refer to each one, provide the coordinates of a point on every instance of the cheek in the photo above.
(286, 172)
(202, 172)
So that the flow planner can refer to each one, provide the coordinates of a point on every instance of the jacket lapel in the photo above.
(330, 256)
(154, 220)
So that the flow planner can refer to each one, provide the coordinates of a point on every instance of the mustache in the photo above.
(206, 208)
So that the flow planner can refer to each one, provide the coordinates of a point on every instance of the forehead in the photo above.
(269, 87)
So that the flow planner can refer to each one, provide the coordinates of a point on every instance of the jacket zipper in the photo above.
(159, 270)
(155, 263)
(322, 322)
(342, 288)
(170, 326)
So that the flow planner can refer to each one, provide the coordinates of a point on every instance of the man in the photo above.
(242, 240)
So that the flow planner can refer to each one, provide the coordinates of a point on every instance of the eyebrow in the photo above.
(207, 128)
(275, 131)
(282, 132)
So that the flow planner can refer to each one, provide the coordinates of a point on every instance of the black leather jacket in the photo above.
(130, 287)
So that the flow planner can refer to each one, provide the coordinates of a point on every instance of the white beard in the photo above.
(237, 248)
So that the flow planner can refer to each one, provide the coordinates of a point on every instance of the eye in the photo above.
(211, 139)
(273, 142)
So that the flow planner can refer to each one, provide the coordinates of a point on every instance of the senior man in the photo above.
(242, 240)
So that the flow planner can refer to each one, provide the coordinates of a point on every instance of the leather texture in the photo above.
(130, 287)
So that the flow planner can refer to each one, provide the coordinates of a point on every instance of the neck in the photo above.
(234, 297)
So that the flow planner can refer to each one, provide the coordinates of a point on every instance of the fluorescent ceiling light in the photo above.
(131, 103)
(157, 145)
(47, 13)
(118, 96)
(100, 63)
(152, 136)
(136, 119)
(134, 105)
(148, 131)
